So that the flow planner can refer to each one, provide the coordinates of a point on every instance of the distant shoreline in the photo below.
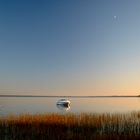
(67, 96)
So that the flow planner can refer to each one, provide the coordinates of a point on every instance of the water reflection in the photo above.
(25, 105)
(63, 107)
(1, 110)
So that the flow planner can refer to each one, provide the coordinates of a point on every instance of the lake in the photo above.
(39, 105)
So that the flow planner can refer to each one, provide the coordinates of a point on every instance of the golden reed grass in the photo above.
(82, 126)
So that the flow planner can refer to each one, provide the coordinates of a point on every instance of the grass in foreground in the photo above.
(71, 126)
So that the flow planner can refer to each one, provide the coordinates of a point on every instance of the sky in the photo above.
(70, 47)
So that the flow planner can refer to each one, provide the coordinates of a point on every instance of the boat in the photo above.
(63, 102)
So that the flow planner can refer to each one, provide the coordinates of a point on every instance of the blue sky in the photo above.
(69, 47)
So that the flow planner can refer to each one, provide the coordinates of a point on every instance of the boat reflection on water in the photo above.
(63, 104)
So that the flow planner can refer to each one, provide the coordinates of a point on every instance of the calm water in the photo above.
(33, 105)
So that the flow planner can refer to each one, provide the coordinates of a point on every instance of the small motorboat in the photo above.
(63, 102)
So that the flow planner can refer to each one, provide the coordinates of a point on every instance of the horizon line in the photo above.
(75, 96)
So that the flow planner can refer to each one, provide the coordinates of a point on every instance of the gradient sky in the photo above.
(70, 47)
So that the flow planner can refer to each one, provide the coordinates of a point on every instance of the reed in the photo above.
(71, 126)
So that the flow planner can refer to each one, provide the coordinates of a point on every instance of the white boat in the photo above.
(64, 102)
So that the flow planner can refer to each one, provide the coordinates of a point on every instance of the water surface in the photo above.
(35, 105)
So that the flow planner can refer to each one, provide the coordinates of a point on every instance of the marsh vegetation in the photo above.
(71, 126)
